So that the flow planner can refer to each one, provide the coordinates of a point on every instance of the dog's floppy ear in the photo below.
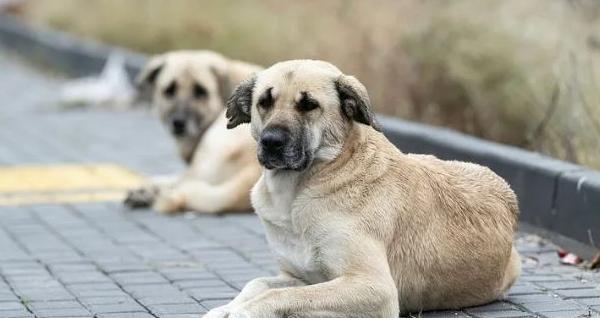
(221, 74)
(147, 76)
(355, 101)
(240, 102)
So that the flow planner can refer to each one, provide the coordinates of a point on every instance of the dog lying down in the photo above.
(189, 89)
(359, 228)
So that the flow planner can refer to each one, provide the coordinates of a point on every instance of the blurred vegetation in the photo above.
(525, 73)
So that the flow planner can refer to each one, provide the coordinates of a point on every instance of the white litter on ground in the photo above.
(110, 89)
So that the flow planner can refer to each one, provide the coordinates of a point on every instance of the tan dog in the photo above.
(359, 228)
(189, 89)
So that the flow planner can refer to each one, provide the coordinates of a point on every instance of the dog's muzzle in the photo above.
(278, 149)
(184, 124)
(178, 126)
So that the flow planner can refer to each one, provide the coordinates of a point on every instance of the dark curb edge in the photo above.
(60, 51)
(560, 199)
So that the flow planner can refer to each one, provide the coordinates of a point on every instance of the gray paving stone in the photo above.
(148, 290)
(525, 289)
(176, 309)
(24, 271)
(8, 297)
(571, 313)
(126, 315)
(542, 278)
(46, 296)
(208, 283)
(496, 306)
(559, 305)
(61, 312)
(125, 307)
(132, 278)
(90, 301)
(166, 300)
(214, 303)
(502, 314)
(21, 313)
(94, 286)
(119, 267)
(99, 293)
(11, 306)
(83, 278)
(183, 315)
(588, 301)
(564, 285)
(238, 277)
(70, 268)
(212, 293)
(191, 275)
(528, 299)
(39, 305)
(579, 293)
(439, 314)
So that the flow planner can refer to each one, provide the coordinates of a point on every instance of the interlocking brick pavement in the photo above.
(99, 260)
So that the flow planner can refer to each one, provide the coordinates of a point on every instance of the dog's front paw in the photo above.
(250, 311)
(241, 314)
(141, 198)
(169, 202)
(219, 312)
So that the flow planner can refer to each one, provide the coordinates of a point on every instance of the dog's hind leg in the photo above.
(512, 272)
(200, 196)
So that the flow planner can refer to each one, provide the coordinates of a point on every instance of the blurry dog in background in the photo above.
(189, 90)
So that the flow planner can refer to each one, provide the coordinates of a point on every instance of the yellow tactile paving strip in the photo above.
(33, 184)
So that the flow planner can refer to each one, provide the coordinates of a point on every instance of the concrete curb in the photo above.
(60, 51)
(560, 199)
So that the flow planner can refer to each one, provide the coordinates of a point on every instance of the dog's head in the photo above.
(299, 111)
(188, 90)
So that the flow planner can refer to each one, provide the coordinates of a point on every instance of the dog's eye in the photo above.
(171, 90)
(199, 91)
(266, 99)
(307, 103)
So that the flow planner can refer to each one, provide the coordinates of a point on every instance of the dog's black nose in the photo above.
(274, 138)
(178, 126)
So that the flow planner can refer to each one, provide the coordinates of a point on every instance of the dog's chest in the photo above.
(296, 254)
(290, 242)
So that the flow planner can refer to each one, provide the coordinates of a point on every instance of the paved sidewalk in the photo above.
(98, 260)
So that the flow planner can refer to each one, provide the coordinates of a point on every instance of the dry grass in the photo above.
(520, 72)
